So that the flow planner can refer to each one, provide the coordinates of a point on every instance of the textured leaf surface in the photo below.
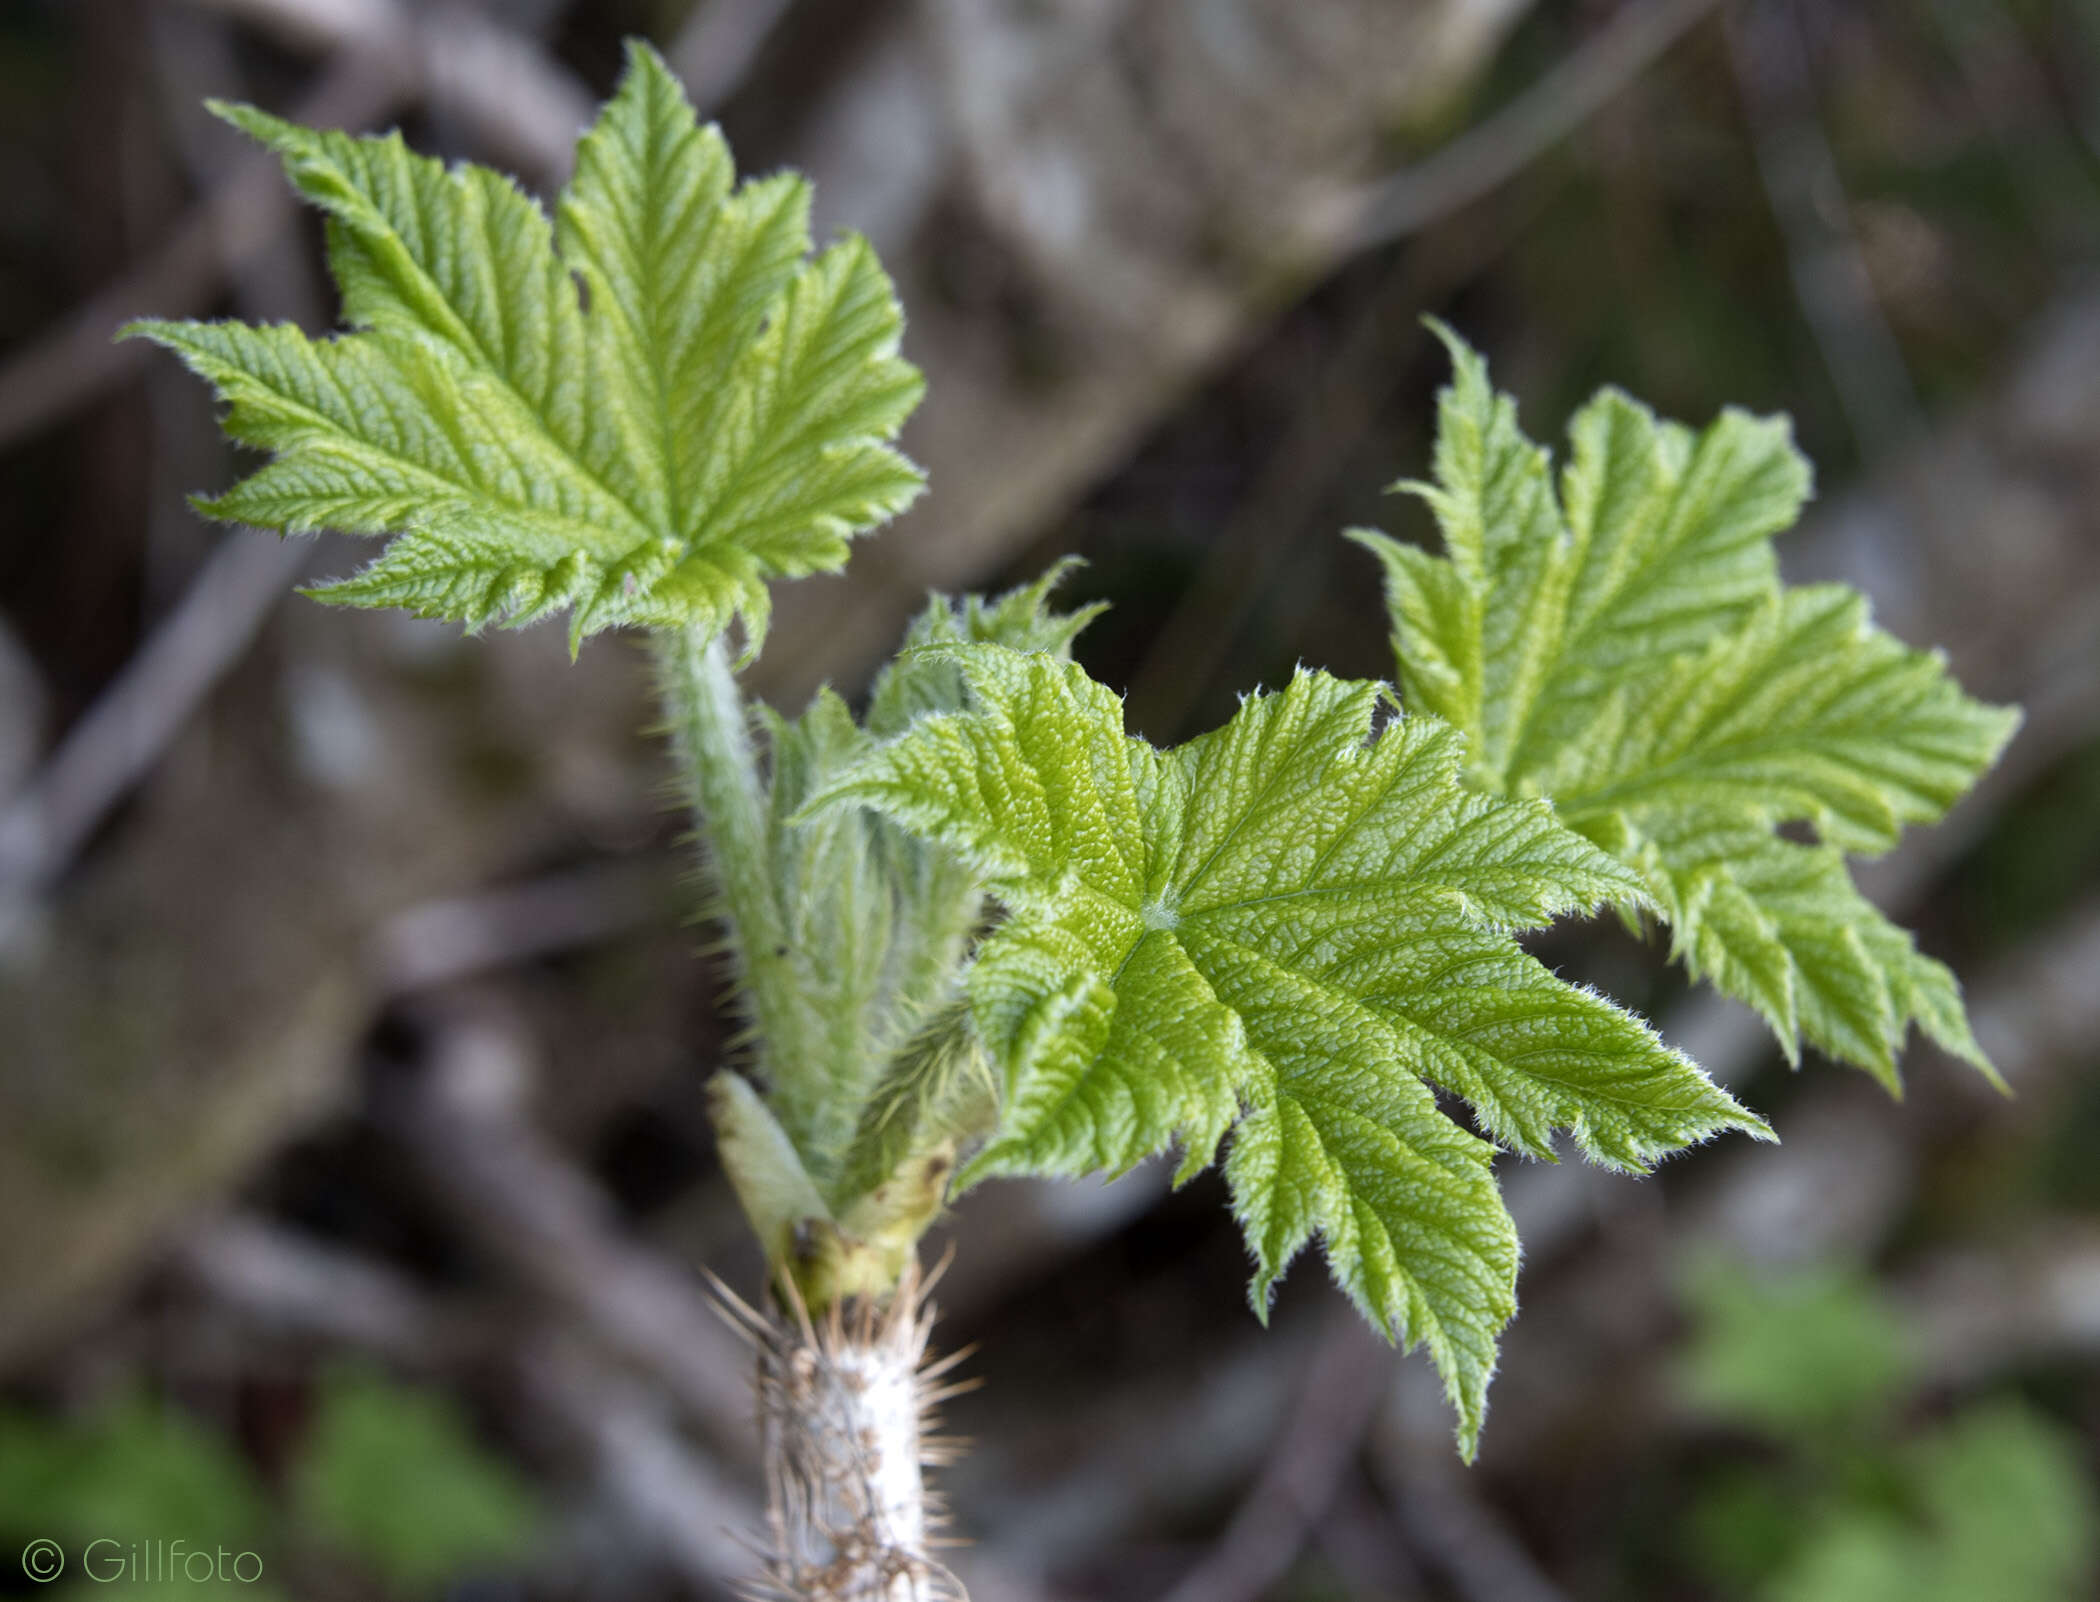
(1625, 646)
(1296, 930)
(640, 413)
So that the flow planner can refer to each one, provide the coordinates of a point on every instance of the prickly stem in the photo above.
(845, 1401)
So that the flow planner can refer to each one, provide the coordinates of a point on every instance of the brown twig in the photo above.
(282, 1283)
(696, 1518)
(1457, 1534)
(1974, 1313)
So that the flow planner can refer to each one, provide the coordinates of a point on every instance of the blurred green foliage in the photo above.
(137, 1473)
(388, 1478)
(1856, 1498)
(394, 1475)
(1796, 1359)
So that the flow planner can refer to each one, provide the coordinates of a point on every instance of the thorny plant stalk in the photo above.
(846, 1405)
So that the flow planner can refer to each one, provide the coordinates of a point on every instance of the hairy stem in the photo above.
(710, 729)
(844, 1401)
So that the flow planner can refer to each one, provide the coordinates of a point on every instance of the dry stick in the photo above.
(1299, 1479)
(287, 1285)
(1358, 1542)
(1457, 1533)
(1976, 1312)
(1189, 1445)
(2039, 1004)
(698, 1520)
(442, 941)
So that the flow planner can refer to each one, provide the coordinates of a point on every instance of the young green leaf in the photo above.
(1627, 648)
(642, 425)
(916, 682)
(1291, 930)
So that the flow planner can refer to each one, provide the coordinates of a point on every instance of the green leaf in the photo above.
(641, 413)
(916, 681)
(1626, 647)
(870, 922)
(1293, 928)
